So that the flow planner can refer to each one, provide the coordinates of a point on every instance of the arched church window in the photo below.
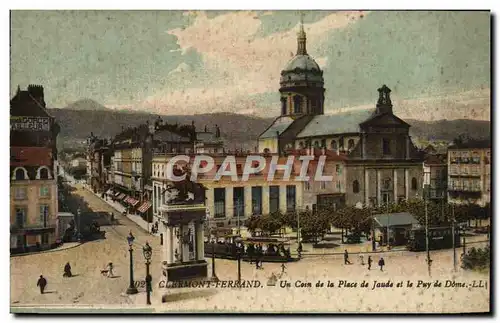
(414, 183)
(297, 104)
(355, 186)
(350, 144)
(323, 143)
(333, 145)
(316, 144)
(283, 106)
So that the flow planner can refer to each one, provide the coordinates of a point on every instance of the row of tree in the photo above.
(314, 225)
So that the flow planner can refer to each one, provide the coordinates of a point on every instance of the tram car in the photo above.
(439, 238)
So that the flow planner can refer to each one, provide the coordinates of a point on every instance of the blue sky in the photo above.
(174, 62)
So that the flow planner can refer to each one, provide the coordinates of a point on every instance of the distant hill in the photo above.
(449, 129)
(81, 118)
(239, 131)
(87, 105)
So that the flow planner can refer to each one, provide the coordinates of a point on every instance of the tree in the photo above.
(269, 223)
(288, 219)
(253, 223)
(476, 259)
(313, 225)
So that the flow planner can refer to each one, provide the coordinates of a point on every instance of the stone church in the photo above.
(382, 164)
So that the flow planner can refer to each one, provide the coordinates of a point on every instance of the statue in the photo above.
(185, 191)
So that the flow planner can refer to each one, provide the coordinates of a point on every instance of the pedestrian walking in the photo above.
(42, 283)
(299, 249)
(381, 263)
(346, 258)
(362, 260)
(67, 270)
(370, 262)
(283, 267)
(110, 270)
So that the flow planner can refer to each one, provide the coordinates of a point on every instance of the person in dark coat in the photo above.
(346, 258)
(381, 263)
(370, 262)
(42, 283)
(67, 270)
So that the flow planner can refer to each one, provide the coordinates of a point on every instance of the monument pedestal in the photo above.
(184, 254)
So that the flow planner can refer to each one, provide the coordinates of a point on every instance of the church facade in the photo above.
(382, 164)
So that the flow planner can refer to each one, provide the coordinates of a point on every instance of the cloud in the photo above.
(181, 68)
(239, 63)
(475, 105)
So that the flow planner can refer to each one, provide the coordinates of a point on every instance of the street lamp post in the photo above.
(78, 213)
(429, 261)
(148, 252)
(131, 288)
(214, 276)
(238, 255)
(453, 237)
(374, 246)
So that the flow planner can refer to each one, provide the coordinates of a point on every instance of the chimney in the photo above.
(36, 92)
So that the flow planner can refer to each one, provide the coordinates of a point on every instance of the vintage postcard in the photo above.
(250, 161)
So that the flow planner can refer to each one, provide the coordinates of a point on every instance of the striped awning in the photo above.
(109, 192)
(121, 196)
(117, 194)
(144, 207)
(132, 201)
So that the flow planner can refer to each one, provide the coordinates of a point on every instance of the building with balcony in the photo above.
(98, 160)
(33, 173)
(229, 200)
(435, 168)
(131, 169)
(469, 172)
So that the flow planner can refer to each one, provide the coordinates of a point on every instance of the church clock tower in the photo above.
(301, 84)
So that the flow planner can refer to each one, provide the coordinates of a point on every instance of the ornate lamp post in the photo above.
(131, 288)
(79, 215)
(214, 276)
(148, 252)
(238, 255)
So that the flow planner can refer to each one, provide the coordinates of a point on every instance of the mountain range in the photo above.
(239, 131)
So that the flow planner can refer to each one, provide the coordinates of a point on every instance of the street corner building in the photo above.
(382, 165)
(33, 172)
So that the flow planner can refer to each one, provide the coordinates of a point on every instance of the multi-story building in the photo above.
(382, 163)
(98, 158)
(228, 199)
(436, 176)
(208, 142)
(318, 194)
(469, 172)
(132, 157)
(132, 152)
(33, 172)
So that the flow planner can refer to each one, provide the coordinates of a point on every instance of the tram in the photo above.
(439, 238)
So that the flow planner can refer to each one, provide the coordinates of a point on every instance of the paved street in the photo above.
(89, 286)
(90, 289)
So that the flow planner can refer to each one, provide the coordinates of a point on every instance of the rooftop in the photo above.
(394, 219)
(338, 123)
